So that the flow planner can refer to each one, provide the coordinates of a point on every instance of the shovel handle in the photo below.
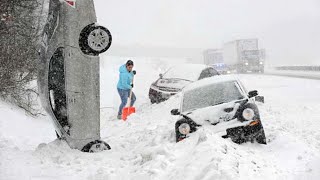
(130, 96)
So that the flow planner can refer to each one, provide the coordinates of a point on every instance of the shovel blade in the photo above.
(127, 111)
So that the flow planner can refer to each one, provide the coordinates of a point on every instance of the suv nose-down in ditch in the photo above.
(223, 104)
(68, 77)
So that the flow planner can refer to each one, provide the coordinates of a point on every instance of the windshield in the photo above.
(211, 95)
(187, 72)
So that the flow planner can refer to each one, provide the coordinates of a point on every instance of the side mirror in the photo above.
(175, 112)
(161, 76)
(253, 93)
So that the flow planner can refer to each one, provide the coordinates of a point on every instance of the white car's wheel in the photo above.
(94, 40)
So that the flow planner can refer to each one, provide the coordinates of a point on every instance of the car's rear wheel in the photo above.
(94, 40)
(96, 146)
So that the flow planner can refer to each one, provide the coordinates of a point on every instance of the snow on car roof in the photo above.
(185, 71)
(210, 80)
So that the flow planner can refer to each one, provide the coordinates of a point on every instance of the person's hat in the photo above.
(129, 63)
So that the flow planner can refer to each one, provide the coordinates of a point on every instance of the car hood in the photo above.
(172, 83)
(214, 114)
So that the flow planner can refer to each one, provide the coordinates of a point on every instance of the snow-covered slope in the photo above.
(143, 147)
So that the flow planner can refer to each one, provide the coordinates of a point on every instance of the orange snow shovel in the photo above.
(126, 111)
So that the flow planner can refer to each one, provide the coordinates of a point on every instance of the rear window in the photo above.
(190, 72)
(56, 87)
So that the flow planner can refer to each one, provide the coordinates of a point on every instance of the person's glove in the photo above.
(134, 72)
(132, 85)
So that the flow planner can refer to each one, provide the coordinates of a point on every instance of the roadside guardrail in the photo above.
(299, 68)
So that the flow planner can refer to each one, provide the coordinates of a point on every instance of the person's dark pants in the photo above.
(124, 94)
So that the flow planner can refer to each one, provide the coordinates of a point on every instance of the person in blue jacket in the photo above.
(125, 84)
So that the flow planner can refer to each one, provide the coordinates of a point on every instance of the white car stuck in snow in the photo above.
(223, 102)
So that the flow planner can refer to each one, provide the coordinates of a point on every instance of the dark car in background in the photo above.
(221, 68)
(223, 105)
(176, 78)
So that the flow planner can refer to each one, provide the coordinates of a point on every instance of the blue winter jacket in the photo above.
(125, 78)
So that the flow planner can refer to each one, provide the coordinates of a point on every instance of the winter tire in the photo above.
(96, 146)
(94, 40)
(153, 101)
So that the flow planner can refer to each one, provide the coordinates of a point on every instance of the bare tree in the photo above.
(19, 32)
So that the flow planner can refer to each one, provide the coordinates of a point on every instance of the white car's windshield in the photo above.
(211, 95)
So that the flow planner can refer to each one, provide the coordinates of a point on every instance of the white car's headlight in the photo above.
(248, 114)
(184, 128)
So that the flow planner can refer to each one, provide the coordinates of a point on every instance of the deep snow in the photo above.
(144, 146)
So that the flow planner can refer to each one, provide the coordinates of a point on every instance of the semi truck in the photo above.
(243, 56)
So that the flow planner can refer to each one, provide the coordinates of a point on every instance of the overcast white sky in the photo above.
(289, 30)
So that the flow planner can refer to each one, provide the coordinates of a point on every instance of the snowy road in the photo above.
(144, 146)
(297, 74)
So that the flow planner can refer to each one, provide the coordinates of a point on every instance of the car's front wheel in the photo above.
(153, 101)
(94, 40)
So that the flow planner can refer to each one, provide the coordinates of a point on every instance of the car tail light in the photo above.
(72, 3)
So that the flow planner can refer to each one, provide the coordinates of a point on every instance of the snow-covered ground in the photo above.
(143, 147)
